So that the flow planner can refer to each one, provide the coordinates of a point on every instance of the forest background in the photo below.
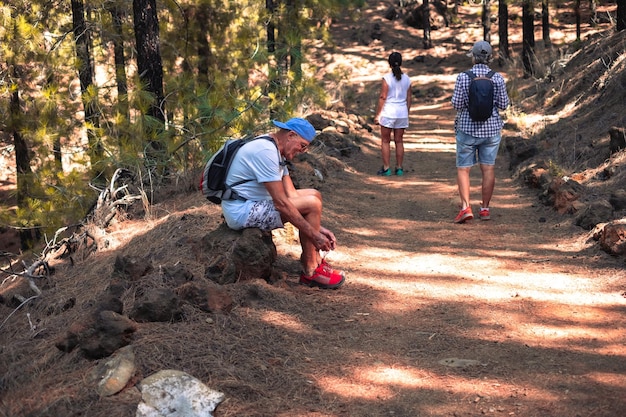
(522, 315)
(152, 89)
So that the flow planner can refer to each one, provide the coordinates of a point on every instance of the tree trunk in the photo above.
(621, 15)
(271, 27)
(279, 78)
(273, 71)
(545, 23)
(150, 71)
(295, 47)
(22, 163)
(428, 43)
(528, 36)
(577, 13)
(149, 63)
(86, 77)
(503, 29)
(117, 16)
(486, 21)
(593, 15)
(203, 14)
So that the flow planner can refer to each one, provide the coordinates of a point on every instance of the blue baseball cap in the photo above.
(300, 126)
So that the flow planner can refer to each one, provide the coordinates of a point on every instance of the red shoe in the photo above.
(464, 215)
(484, 213)
(324, 277)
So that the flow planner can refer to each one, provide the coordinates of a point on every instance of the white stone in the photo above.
(172, 393)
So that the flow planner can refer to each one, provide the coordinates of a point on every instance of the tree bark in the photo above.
(203, 14)
(545, 23)
(117, 15)
(428, 43)
(22, 163)
(295, 50)
(503, 29)
(150, 70)
(621, 15)
(271, 27)
(578, 19)
(593, 15)
(148, 53)
(273, 70)
(486, 21)
(86, 76)
(528, 36)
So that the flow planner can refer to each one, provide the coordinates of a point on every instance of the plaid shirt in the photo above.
(463, 122)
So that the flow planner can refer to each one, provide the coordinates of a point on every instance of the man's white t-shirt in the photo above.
(259, 161)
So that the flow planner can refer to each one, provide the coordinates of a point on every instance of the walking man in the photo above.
(477, 141)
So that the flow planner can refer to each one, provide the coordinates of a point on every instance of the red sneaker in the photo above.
(484, 213)
(464, 215)
(324, 277)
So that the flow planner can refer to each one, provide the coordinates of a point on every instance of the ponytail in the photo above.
(397, 72)
(395, 62)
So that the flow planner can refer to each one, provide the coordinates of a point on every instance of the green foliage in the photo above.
(555, 170)
(218, 83)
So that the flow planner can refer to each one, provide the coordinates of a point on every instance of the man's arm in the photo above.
(502, 98)
(282, 192)
(459, 97)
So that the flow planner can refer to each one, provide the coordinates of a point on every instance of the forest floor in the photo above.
(522, 315)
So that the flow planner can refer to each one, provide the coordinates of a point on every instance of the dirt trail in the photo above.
(513, 316)
(519, 315)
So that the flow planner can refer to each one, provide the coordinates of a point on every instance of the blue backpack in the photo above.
(480, 96)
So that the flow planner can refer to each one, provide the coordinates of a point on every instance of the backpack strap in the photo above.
(233, 193)
(471, 74)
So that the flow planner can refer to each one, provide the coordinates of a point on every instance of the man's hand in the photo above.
(332, 240)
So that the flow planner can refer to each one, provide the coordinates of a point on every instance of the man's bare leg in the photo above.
(488, 184)
(463, 182)
(309, 203)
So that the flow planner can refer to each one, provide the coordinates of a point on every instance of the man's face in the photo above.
(295, 145)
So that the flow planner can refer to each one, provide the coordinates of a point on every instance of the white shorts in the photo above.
(263, 214)
(393, 123)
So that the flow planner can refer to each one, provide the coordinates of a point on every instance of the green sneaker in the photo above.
(399, 171)
(384, 172)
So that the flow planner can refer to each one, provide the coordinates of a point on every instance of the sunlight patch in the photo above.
(284, 321)
(349, 389)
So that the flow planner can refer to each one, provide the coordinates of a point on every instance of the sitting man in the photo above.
(271, 199)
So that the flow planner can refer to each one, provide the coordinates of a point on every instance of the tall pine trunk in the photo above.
(82, 39)
(274, 71)
(486, 20)
(621, 15)
(428, 42)
(528, 36)
(503, 30)
(117, 16)
(150, 68)
(578, 19)
(22, 163)
(545, 23)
